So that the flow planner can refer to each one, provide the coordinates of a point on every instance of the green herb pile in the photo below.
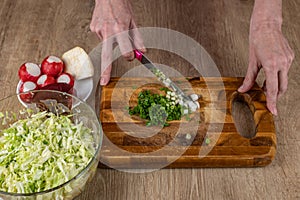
(158, 108)
(42, 152)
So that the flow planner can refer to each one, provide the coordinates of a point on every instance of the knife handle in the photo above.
(138, 55)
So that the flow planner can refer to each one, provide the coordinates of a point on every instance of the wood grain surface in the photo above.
(33, 29)
(209, 137)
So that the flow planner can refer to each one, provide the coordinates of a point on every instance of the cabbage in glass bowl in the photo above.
(49, 145)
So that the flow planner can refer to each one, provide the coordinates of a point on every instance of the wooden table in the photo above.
(31, 30)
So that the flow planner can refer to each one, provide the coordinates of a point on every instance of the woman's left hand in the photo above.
(270, 51)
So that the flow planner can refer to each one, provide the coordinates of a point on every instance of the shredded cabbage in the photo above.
(43, 151)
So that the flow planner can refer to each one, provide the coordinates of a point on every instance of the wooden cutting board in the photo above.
(207, 138)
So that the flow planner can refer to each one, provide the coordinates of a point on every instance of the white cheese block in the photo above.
(78, 63)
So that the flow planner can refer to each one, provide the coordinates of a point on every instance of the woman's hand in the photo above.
(110, 18)
(270, 51)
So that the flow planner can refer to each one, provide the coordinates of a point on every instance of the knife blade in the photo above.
(188, 101)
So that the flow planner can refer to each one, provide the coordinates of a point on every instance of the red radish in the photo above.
(52, 66)
(66, 78)
(29, 72)
(25, 88)
(45, 80)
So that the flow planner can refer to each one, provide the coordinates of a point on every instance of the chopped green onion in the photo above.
(157, 108)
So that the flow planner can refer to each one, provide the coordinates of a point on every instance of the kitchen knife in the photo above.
(189, 101)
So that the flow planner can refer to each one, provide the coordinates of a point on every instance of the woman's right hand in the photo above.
(110, 18)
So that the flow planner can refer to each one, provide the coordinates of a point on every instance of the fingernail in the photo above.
(241, 88)
(275, 111)
(103, 81)
(143, 49)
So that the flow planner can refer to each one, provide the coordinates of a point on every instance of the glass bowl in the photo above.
(22, 106)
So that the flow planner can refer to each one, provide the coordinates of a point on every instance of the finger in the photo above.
(283, 73)
(272, 90)
(125, 45)
(251, 75)
(106, 60)
(137, 38)
(290, 52)
(283, 82)
(95, 28)
(99, 35)
(93, 24)
(105, 76)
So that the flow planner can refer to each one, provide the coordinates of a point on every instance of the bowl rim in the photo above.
(87, 83)
(95, 156)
